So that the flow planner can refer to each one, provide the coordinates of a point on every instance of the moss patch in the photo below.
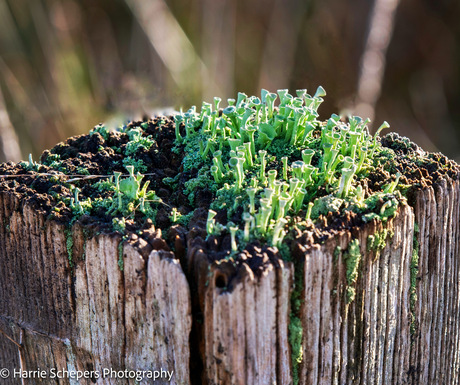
(377, 242)
(69, 245)
(295, 323)
(120, 255)
(352, 258)
(295, 340)
(414, 269)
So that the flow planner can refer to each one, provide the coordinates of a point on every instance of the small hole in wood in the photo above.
(221, 281)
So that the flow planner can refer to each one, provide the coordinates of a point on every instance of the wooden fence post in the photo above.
(369, 315)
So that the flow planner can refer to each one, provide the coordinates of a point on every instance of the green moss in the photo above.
(137, 142)
(352, 258)
(102, 130)
(373, 207)
(285, 252)
(105, 185)
(204, 181)
(295, 323)
(102, 203)
(138, 164)
(414, 270)
(225, 199)
(50, 157)
(119, 224)
(192, 159)
(172, 182)
(379, 240)
(326, 204)
(183, 220)
(120, 255)
(389, 209)
(295, 340)
(81, 207)
(337, 252)
(82, 171)
(279, 149)
(69, 245)
(54, 161)
(31, 165)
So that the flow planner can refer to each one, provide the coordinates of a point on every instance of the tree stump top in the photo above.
(150, 240)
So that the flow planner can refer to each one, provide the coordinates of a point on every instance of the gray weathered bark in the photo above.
(367, 341)
(88, 314)
(91, 315)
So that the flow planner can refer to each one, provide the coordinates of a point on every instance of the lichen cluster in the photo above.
(279, 161)
(120, 196)
(267, 163)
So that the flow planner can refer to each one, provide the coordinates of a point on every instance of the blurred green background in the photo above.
(67, 65)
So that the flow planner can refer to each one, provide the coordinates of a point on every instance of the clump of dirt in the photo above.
(418, 168)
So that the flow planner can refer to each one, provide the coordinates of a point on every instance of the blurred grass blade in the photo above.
(19, 95)
(278, 60)
(373, 59)
(9, 146)
(218, 45)
(170, 42)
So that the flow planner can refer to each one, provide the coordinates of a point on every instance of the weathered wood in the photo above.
(87, 313)
(34, 266)
(435, 355)
(366, 341)
(246, 328)
(370, 323)
(81, 310)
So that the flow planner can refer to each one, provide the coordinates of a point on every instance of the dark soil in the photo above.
(45, 187)
(92, 155)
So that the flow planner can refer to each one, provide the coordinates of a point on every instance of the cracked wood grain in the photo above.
(88, 313)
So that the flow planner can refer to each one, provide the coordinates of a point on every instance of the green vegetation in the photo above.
(378, 241)
(69, 245)
(102, 130)
(352, 258)
(295, 323)
(30, 165)
(131, 196)
(120, 255)
(263, 160)
(125, 198)
(413, 279)
(277, 162)
(336, 254)
(295, 340)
